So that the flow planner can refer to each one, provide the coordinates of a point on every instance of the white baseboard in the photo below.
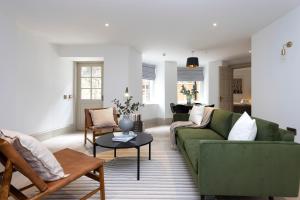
(157, 122)
(53, 133)
(71, 128)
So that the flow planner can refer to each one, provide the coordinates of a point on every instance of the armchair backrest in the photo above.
(8, 152)
(88, 117)
(172, 105)
(181, 108)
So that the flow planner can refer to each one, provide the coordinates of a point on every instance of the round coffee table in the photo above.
(140, 140)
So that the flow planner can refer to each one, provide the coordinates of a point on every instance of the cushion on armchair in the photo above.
(103, 117)
(41, 160)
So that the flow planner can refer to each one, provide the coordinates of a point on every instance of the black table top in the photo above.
(140, 140)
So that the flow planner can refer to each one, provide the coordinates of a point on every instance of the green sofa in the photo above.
(266, 167)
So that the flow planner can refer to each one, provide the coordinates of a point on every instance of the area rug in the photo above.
(166, 176)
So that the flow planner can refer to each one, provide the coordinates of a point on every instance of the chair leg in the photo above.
(6, 179)
(202, 197)
(101, 180)
(271, 198)
(94, 144)
(85, 136)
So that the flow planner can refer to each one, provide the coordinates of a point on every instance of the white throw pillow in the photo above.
(41, 160)
(196, 114)
(244, 129)
(103, 117)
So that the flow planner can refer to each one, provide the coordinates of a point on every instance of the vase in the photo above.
(126, 124)
(189, 100)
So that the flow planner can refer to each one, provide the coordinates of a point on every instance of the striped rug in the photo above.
(166, 176)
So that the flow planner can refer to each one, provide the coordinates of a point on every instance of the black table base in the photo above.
(141, 140)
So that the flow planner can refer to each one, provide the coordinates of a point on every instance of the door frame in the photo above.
(233, 67)
(228, 93)
(77, 87)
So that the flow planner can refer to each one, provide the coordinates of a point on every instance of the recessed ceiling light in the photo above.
(106, 25)
(215, 24)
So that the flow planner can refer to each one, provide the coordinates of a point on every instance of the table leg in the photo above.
(115, 152)
(138, 163)
(150, 151)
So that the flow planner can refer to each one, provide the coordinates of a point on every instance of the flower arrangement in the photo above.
(128, 107)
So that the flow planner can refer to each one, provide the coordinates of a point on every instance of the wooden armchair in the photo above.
(74, 163)
(97, 131)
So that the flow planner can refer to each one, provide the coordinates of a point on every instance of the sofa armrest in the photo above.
(258, 168)
(286, 135)
(181, 117)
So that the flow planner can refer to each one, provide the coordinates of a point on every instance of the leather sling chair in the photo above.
(74, 163)
(97, 131)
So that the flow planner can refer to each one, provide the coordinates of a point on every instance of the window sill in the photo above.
(150, 103)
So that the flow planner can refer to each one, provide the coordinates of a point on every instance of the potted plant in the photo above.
(189, 93)
(125, 110)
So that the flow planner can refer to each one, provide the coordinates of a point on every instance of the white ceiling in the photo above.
(154, 26)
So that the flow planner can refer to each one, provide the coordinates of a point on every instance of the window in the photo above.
(148, 87)
(181, 98)
(148, 79)
(91, 82)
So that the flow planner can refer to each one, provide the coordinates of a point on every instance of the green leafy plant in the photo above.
(128, 107)
(189, 93)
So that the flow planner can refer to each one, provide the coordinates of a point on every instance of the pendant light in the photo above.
(126, 94)
(192, 62)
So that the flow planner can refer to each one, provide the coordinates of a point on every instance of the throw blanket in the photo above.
(205, 121)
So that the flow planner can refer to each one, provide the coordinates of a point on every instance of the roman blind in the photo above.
(148, 71)
(187, 74)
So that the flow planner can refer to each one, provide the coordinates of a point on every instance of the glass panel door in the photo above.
(89, 88)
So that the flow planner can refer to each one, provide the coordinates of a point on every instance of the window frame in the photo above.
(91, 88)
(151, 91)
(178, 88)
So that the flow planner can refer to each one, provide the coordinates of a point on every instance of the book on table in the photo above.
(121, 137)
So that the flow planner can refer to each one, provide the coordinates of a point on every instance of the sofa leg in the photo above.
(202, 197)
(271, 198)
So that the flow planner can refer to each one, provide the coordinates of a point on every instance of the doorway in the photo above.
(242, 90)
(89, 87)
(235, 88)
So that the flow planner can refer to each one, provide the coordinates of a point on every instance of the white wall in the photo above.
(135, 74)
(122, 68)
(116, 62)
(160, 89)
(33, 81)
(43, 78)
(170, 86)
(8, 84)
(275, 79)
(211, 81)
(245, 75)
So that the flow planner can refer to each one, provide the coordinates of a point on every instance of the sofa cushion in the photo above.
(235, 117)
(221, 122)
(266, 130)
(186, 133)
(244, 129)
